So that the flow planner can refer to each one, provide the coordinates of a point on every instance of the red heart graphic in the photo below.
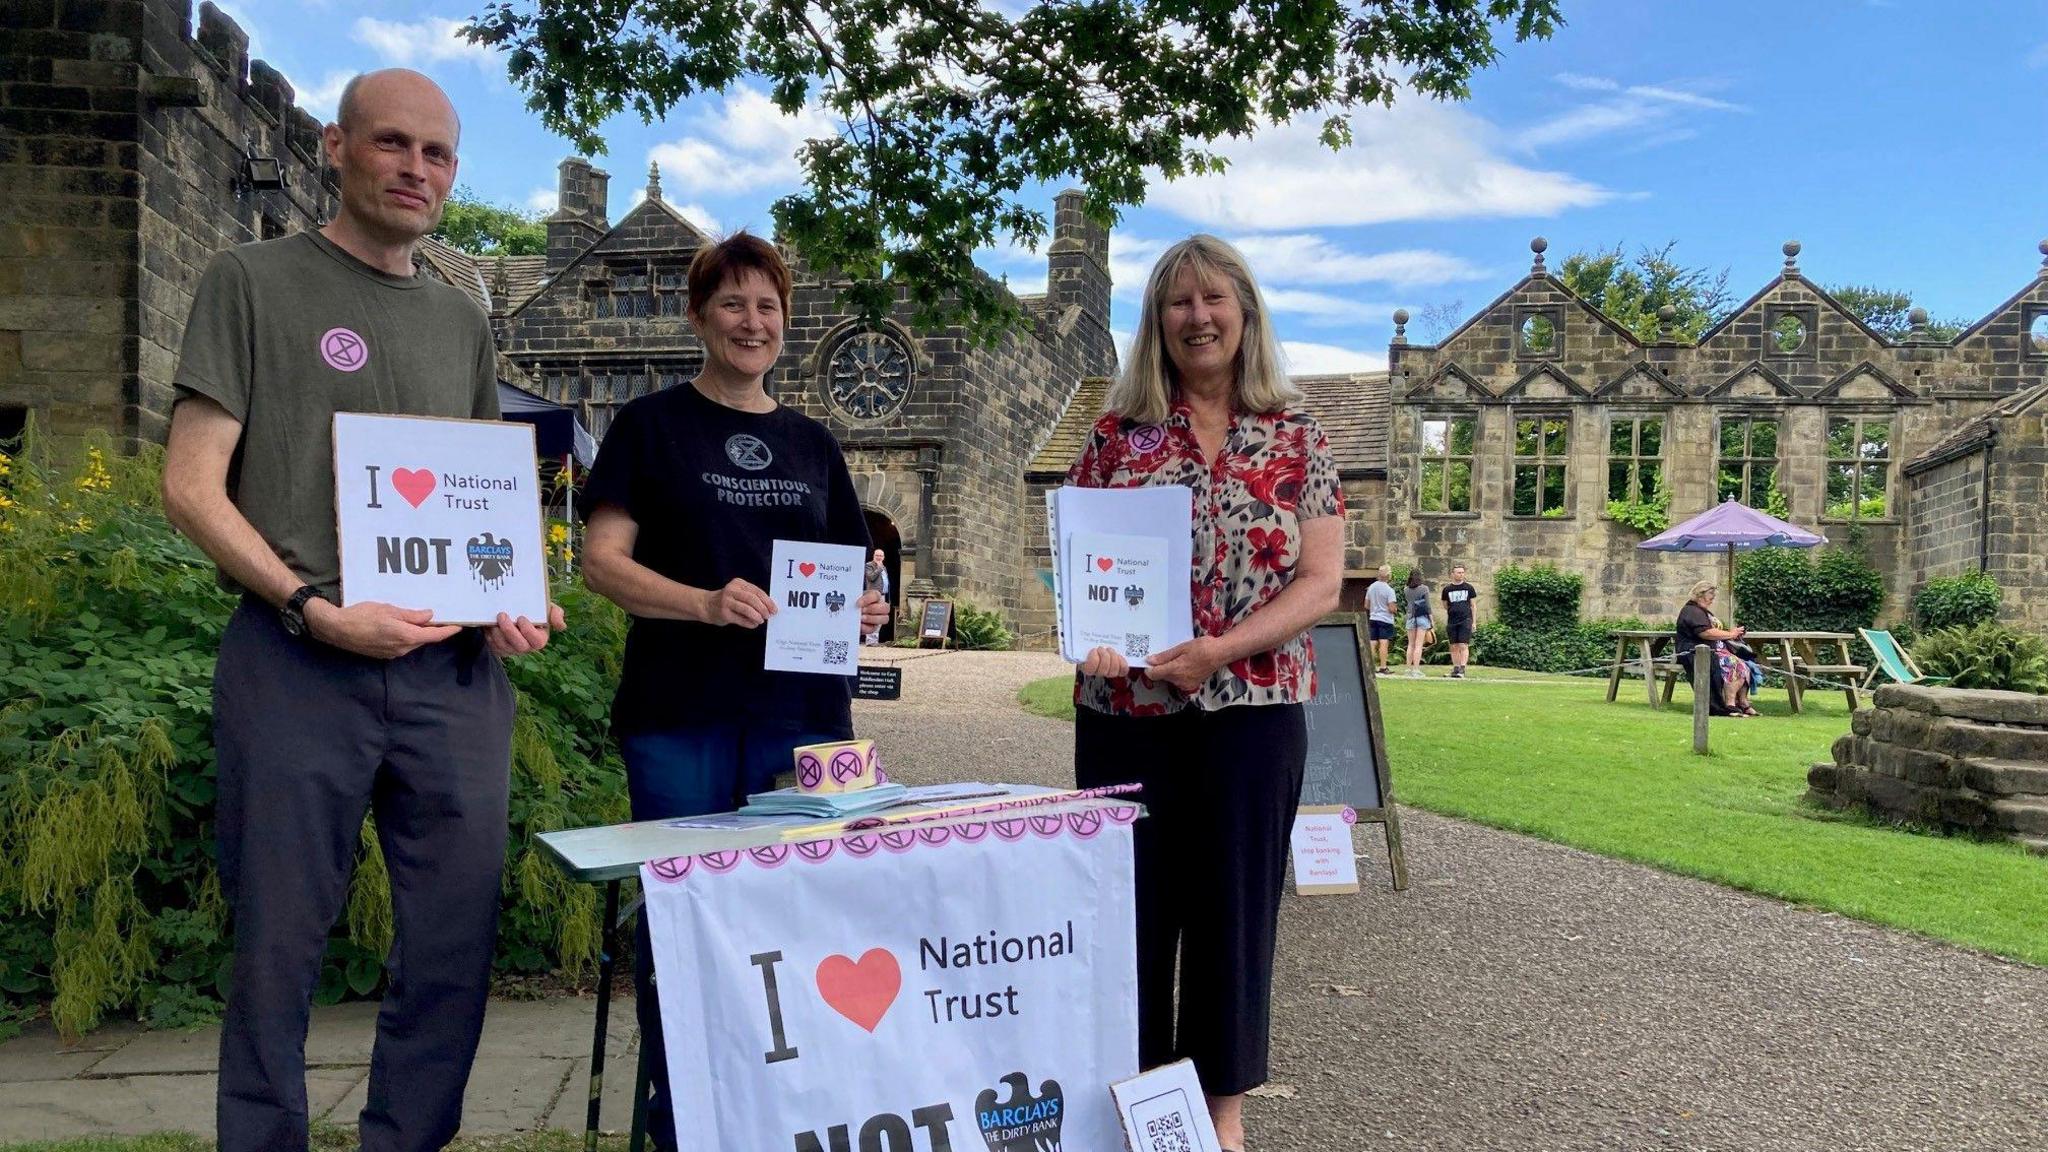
(415, 486)
(861, 991)
(1104, 563)
(807, 569)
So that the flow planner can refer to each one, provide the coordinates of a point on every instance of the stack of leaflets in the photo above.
(791, 802)
(1120, 561)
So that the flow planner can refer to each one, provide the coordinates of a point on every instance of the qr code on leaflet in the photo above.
(1137, 644)
(835, 651)
(1167, 1134)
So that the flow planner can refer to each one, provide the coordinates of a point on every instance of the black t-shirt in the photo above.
(711, 489)
(1692, 620)
(1458, 602)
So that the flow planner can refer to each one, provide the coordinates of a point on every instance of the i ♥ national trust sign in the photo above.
(940, 988)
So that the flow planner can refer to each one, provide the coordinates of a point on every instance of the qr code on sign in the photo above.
(835, 651)
(1167, 1134)
(1137, 644)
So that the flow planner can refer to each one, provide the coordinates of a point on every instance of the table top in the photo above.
(1752, 634)
(616, 851)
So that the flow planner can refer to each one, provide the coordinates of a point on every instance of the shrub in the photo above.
(1581, 645)
(978, 629)
(109, 899)
(1956, 601)
(1537, 599)
(1985, 656)
(1781, 589)
(1647, 516)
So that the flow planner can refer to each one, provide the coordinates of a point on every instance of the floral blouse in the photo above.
(1275, 471)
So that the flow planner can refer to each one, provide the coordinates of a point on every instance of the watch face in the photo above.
(294, 621)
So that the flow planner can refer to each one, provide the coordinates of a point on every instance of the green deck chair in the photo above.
(1893, 660)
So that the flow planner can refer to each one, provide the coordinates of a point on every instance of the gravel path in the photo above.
(1522, 995)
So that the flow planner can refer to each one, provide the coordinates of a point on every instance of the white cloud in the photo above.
(1130, 262)
(428, 40)
(541, 200)
(1306, 258)
(1638, 106)
(746, 144)
(702, 217)
(1322, 309)
(323, 99)
(1420, 160)
(1305, 359)
(1586, 83)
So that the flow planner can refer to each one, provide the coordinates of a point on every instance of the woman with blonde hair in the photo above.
(1213, 729)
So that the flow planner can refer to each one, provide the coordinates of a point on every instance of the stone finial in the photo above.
(1917, 321)
(1667, 322)
(1791, 251)
(653, 180)
(2043, 246)
(1539, 245)
(1400, 325)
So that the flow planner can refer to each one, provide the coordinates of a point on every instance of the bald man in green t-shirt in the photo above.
(323, 713)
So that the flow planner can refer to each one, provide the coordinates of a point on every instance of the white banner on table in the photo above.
(971, 986)
(816, 589)
(439, 514)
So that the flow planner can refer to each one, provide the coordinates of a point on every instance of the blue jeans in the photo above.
(692, 772)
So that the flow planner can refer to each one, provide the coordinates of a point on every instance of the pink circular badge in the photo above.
(1350, 814)
(1146, 439)
(343, 350)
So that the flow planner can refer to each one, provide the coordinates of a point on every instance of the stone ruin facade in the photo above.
(1958, 760)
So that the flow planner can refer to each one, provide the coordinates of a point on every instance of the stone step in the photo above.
(2038, 845)
(1991, 741)
(2029, 818)
(2009, 778)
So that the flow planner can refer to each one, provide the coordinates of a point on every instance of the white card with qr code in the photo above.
(1116, 592)
(1163, 1111)
(816, 589)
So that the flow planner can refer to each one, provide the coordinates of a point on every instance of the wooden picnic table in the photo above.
(1795, 654)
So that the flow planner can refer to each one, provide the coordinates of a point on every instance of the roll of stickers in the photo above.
(841, 766)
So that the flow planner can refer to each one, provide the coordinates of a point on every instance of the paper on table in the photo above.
(816, 589)
(1119, 585)
(1165, 511)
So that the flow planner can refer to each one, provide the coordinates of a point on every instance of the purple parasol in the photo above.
(1732, 527)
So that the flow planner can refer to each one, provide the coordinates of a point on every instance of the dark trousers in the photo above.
(310, 738)
(691, 772)
(1211, 860)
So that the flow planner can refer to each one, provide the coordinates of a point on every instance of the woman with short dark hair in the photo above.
(692, 488)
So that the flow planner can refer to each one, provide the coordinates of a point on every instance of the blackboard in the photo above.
(1347, 752)
(937, 621)
(877, 683)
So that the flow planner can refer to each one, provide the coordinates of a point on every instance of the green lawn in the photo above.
(1553, 759)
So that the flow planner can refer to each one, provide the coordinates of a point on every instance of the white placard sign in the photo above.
(962, 986)
(1118, 587)
(816, 589)
(439, 514)
(1164, 1111)
(1324, 861)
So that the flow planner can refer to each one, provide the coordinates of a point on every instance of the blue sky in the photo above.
(1898, 140)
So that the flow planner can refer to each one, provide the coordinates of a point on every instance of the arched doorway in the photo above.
(882, 534)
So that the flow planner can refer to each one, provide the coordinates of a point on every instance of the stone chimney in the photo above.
(578, 219)
(1077, 264)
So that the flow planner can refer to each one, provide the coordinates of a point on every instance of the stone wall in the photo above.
(1946, 535)
(1967, 761)
(2018, 538)
(121, 162)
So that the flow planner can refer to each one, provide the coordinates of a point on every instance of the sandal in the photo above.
(1751, 712)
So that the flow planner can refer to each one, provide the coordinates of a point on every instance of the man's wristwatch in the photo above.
(294, 611)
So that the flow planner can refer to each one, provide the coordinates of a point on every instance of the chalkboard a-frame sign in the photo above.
(935, 622)
(1347, 752)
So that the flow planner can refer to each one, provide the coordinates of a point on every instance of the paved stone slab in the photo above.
(571, 1109)
(48, 1110)
(553, 1028)
(40, 1054)
(506, 1094)
(191, 1050)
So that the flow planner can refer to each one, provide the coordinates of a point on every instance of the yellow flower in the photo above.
(558, 534)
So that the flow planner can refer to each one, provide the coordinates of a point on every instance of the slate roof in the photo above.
(516, 278)
(1975, 432)
(1352, 408)
(456, 267)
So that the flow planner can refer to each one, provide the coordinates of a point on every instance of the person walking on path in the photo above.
(1379, 601)
(875, 578)
(1421, 625)
(1214, 728)
(1458, 596)
(323, 713)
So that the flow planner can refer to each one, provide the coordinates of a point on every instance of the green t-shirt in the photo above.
(288, 332)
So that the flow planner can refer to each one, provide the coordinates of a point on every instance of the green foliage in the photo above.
(1868, 508)
(1568, 648)
(1985, 656)
(980, 629)
(1783, 589)
(1887, 313)
(1956, 601)
(109, 899)
(1647, 517)
(1632, 292)
(1538, 599)
(947, 115)
(476, 225)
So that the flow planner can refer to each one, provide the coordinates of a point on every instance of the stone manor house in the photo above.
(136, 142)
